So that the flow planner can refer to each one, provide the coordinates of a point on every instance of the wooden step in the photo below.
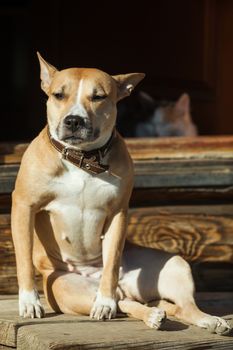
(166, 162)
(80, 332)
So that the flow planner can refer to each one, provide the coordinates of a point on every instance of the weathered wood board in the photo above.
(201, 147)
(151, 148)
(80, 332)
(157, 174)
(8, 277)
(166, 162)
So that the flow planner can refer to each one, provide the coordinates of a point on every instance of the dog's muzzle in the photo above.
(73, 123)
(75, 129)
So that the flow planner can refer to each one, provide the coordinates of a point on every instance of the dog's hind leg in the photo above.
(154, 275)
(175, 283)
(152, 316)
(68, 292)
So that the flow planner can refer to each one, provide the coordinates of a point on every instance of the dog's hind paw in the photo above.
(29, 304)
(216, 324)
(103, 308)
(155, 318)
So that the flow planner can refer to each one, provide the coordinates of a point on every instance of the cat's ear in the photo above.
(146, 100)
(182, 105)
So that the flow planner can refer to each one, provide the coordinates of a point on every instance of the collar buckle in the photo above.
(65, 152)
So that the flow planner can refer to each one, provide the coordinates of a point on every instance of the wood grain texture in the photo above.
(150, 148)
(198, 233)
(142, 197)
(201, 234)
(167, 163)
(8, 275)
(181, 147)
(11, 153)
(80, 332)
(117, 334)
(183, 173)
(157, 174)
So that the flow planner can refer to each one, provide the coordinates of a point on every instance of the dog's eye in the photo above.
(59, 95)
(98, 97)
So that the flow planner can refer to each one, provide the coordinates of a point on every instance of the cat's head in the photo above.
(166, 118)
(174, 119)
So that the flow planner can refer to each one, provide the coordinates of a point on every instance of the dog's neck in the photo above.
(91, 160)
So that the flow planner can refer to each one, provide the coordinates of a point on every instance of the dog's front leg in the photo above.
(22, 223)
(105, 305)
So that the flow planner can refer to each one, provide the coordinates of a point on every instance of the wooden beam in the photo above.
(181, 147)
(150, 148)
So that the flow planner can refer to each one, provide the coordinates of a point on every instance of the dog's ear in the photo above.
(47, 72)
(126, 83)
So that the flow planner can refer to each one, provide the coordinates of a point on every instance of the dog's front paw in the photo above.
(103, 308)
(29, 304)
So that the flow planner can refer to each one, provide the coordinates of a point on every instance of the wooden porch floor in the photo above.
(80, 332)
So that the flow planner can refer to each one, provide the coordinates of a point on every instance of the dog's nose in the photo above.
(73, 122)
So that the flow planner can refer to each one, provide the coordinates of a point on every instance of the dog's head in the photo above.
(81, 106)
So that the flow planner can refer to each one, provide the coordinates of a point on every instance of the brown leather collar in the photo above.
(89, 161)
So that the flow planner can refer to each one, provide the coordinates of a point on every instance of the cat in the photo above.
(143, 116)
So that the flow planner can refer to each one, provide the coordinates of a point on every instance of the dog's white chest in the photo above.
(79, 211)
(79, 188)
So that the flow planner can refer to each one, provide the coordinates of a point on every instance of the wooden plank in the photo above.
(183, 173)
(10, 321)
(8, 175)
(198, 233)
(159, 162)
(8, 278)
(11, 153)
(80, 332)
(151, 148)
(144, 197)
(116, 334)
(200, 147)
(158, 174)
(8, 275)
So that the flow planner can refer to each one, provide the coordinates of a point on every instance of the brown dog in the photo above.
(69, 212)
